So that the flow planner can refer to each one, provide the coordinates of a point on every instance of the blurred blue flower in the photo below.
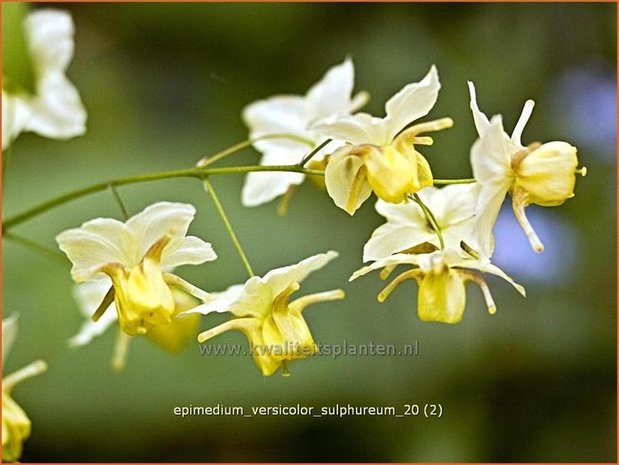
(587, 97)
(513, 253)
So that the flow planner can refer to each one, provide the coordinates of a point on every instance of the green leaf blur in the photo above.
(17, 70)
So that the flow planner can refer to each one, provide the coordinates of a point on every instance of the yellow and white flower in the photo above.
(440, 268)
(542, 174)
(379, 159)
(408, 229)
(138, 257)
(293, 115)
(274, 326)
(172, 337)
(441, 276)
(55, 109)
(16, 425)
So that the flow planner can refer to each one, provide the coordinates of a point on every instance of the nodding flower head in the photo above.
(381, 158)
(541, 174)
(274, 325)
(441, 276)
(138, 256)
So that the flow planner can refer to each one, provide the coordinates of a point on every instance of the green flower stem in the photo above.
(431, 219)
(309, 156)
(198, 173)
(224, 218)
(442, 182)
(120, 202)
(209, 160)
(41, 249)
(223, 154)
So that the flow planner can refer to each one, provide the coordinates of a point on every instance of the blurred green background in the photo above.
(164, 85)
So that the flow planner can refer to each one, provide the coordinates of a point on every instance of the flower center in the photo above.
(442, 296)
(285, 332)
(142, 296)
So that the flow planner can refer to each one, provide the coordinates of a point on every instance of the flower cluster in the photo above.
(293, 116)
(125, 271)
(127, 267)
(443, 235)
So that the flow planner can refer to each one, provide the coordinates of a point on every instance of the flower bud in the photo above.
(392, 173)
(547, 174)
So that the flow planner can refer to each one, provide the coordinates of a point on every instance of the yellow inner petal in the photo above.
(442, 296)
(143, 298)
(391, 173)
(15, 429)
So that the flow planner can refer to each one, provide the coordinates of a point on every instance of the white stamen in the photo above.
(236, 323)
(522, 121)
(521, 217)
(386, 271)
(301, 303)
(428, 126)
(469, 276)
(188, 287)
(119, 360)
(33, 369)
(423, 140)
(359, 101)
(410, 274)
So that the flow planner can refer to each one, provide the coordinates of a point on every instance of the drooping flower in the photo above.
(381, 158)
(172, 337)
(542, 174)
(441, 276)
(54, 109)
(138, 256)
(293, 115)
(441, 267)
(16, 425)
(407, 227)
(274, 326)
